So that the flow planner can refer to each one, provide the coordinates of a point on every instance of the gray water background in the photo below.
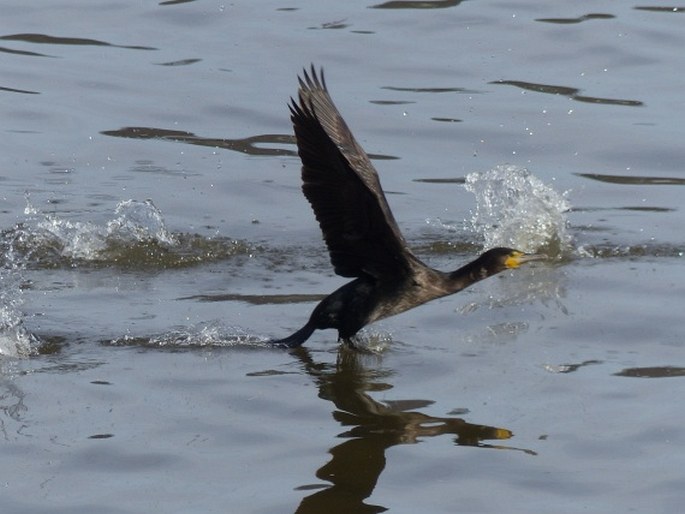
(133, 377)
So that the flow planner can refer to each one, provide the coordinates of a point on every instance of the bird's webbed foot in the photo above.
(349, 343)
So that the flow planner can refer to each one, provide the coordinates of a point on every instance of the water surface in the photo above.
(154, 235)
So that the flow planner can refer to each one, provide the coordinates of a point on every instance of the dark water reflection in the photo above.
(14, 90)
(417, 4)
(655, 8)
(631, 180)
(174, 2)
(570, 92)
(371, 428)
(251, 145)
(53, 40)
(246, 145)
(579, 19)
(652, 372)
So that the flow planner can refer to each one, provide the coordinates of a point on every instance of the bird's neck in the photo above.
(467, 275)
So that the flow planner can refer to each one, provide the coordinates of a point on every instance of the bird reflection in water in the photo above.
(372, 427)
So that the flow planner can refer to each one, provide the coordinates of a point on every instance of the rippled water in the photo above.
(154, 237)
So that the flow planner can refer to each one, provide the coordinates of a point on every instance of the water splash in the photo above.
(140, 221)
(213, 334)
(217, 334)
(372, 340)
(631, 251)
(136, 238)
(136, 222)
(15, 339)
(515, 209)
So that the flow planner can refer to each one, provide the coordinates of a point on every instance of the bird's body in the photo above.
(360, 231)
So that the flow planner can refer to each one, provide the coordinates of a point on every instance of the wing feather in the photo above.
(343, 189)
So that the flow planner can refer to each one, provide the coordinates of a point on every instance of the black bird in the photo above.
(360, 231)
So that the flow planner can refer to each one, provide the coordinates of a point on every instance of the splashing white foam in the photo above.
(515, 209)
(15, 339)
(372, 340)
(47, 238)
(212, 334)
(136, 221)
(139, 221)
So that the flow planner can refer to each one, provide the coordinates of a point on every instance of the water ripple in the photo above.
(55, 40)
(570, 92)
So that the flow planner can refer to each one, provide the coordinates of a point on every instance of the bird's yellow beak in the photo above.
(517, 258)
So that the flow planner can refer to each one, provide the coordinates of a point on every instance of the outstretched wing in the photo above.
(343, 188)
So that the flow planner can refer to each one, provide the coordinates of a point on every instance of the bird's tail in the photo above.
(295, 340)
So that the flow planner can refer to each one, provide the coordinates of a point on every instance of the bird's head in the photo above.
(500, 259)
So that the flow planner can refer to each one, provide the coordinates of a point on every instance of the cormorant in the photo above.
(361, 234)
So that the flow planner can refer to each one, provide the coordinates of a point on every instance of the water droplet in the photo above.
(514, 208)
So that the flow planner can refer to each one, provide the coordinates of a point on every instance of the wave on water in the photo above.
(217, 334)
(15, 339)
(514, 208)
(213, 334)
(631, 251)
(136, 238)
